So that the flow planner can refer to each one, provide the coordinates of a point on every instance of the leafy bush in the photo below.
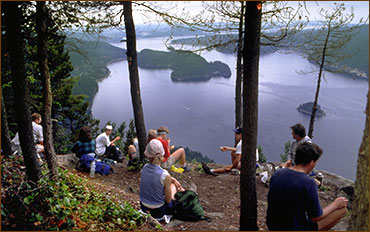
(262, 157)
(66, 204)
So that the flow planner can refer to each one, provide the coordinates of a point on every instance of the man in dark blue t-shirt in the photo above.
(293, 202)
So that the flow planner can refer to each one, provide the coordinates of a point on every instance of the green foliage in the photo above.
(262, 157)
(284, 158)
(187, 66)
(66, 204)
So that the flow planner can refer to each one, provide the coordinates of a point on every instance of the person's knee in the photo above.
(131, 149)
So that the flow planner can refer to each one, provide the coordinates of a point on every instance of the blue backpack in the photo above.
(85, 162)
(103, 168)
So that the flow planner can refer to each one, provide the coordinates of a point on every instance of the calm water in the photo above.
(201, 115)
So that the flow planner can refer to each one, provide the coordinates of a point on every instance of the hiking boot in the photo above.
(187, 169)
(207, 170)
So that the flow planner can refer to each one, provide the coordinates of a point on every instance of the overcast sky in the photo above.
(361, 8)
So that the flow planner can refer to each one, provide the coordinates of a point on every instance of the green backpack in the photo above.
(187, 207)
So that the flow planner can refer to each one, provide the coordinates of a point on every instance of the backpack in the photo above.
(187, 206)
(85, 162)
(103, 168)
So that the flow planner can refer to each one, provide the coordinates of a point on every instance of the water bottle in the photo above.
(92, 169)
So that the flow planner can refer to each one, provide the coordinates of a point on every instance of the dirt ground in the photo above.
(219, 196)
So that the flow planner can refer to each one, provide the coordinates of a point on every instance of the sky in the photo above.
(361, 8)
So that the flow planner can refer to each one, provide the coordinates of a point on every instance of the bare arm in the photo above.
(226, 148)
(114, 140)
(338, 203)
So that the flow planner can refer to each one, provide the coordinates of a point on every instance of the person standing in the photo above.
(106, 148)
(293, 201)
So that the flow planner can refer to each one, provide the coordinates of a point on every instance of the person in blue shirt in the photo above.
(157, 187)
(293, 201)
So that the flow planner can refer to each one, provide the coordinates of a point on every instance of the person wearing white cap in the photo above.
(157, 187)
(105, 147)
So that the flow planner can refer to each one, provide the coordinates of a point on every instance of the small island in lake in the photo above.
(186, 66)
(307, 109)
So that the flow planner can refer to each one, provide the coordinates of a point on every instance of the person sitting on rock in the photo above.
(299, 136)
(235, 155)
(106, 148)
(86, 144)
(157, 187)
(133, 149)
(170, 159)
(293, 201)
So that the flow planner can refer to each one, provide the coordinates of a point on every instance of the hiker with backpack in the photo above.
(157, 187)
(84, 149)
(86, 144)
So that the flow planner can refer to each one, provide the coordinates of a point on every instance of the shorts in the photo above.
(166, 209)
(169, 162)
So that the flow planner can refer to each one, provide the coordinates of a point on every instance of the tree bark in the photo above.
(251, 51)
(134, 77)
(15, 44)
(6, 144)
(314, 107)
(239, 72)
(360, 211)
(42, 50)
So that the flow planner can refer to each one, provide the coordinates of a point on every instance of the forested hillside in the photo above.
(90, 59)
(186, 66)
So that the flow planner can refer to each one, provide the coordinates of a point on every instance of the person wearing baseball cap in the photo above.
(157, 187)
(105, 147)
(235, 155)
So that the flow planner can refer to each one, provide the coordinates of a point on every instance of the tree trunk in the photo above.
(134, 77)
(6, 144)
(239, 72)
(360, 211)
(314, 107)
(15, 45)
(251, 51)
(42, 48)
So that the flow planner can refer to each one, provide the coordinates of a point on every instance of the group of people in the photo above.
(293, 201)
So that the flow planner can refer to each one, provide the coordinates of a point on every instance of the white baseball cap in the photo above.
(154, 148)
(108, 127)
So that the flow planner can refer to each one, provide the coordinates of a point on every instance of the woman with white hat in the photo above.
(157, 187)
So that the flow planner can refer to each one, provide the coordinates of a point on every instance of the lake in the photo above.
(200, 115)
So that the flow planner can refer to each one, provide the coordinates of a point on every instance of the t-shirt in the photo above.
(292, 200)
(293, 147)
(37, 132)
(239, 148)
(102, 142)
(166, 149)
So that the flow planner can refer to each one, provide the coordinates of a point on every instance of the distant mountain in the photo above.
(186, 66)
